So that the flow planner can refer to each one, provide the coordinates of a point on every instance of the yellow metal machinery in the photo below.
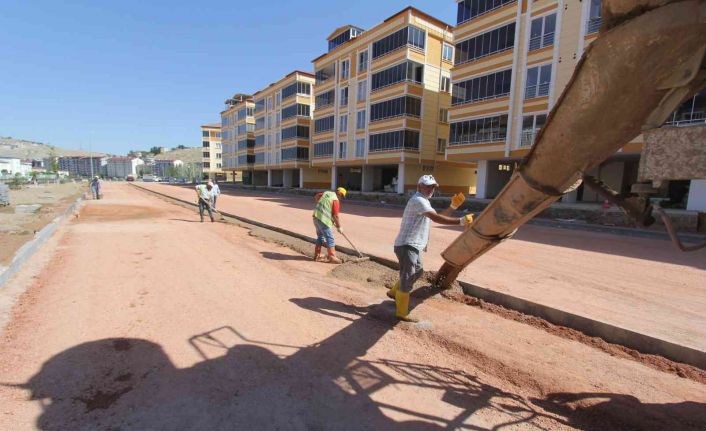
(647, 59)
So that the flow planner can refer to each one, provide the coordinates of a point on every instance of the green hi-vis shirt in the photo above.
(324, 208)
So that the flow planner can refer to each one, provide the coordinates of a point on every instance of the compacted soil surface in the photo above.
(137, 316)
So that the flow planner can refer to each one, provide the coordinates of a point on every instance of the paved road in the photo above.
(138, 317)
(638, 284)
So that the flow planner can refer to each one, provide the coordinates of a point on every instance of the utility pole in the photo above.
(90, 156)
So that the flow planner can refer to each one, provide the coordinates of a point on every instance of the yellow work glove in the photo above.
(466, 220)
(457, 200)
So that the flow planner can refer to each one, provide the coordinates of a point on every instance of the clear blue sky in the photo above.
(134, 74)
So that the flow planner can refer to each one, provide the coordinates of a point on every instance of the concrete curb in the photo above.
(610, 333)
(31, 247)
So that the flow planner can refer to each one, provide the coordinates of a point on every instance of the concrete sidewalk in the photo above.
(639, 284)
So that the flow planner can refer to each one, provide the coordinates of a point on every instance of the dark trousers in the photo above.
(205, 205)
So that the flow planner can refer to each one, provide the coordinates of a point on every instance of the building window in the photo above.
(362, 93)
(298, 132)
(345, 69)
(325, 99)
(486, 87)
(360, 120)
(259, 158)
(542, 32)
(407, 71)
(360, 148)
(343, 124)
(278, 98)
(295, 153)
(260, 123)
(443, 115)
(531, 124)
(469, 9)
(498, 40)
(445, 84)
(325, 73)
(323, 149)
(219, 155)
(441, 146)
(204, 133)
(480, 130)
(538, 81)
(206, 143)
(344, 96)
(693, 111)
(405, 105)
(296, 110)
(269, 103)
(363, 61)
(447, 53)
(207, 165)
(342, 150)
(278, 119)
(303, 88)
(259, 105)
(249, 143)
(324, 124)
(397, 140)
(594, 17)
(408, 36)
(206, 155)
(259, 141)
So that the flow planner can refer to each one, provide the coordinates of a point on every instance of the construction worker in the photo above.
(215, 192)
(414, 236)
(96, 187)
(326, 215)
(203, 191)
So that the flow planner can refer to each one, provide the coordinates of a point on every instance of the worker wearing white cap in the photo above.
(96, 187)
(203, 191)
(414, 236)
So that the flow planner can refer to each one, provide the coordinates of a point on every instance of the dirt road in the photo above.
(139, 317)
(639, 284)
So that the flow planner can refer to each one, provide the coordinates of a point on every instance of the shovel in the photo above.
(360, 258)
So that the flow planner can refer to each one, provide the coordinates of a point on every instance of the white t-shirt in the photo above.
(414, 230)
(215, 191)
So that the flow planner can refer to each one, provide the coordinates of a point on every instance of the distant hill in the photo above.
(20, 148)
(187, 155)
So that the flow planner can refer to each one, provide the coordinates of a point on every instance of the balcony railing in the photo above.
(593, 25)
(480, 138)
(527, 138)
(539, 42)
(537, 90)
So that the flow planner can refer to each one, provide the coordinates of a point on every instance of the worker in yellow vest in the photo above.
(326, 215)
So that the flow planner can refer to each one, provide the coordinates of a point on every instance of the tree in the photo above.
(181, 147)
(54, 160)
(156, 150)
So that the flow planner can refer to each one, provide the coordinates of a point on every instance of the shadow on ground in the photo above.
(125, 383)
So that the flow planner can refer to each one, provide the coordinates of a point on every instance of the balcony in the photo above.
(480, 138)
(593, 25)
(537, 90)
(540, 42)
(527, 138)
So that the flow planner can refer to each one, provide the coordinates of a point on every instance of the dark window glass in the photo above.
(407, 71)
(260, 123)
(259, 105)
(469, 9)
(325, 73)
(485, 87)
(409, 35)
(297, 109)
(259, 158)
(300, 132)
(494, 41)
(204, 134)
(406, 105)
(296, 88)
(295, 153)
(244, 144)
(326, 99)
(397, 140)
(323, 149)
(259, 141)
(324, 124)
(491, 129)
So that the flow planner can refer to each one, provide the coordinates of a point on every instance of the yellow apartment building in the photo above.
(212, 156)
(512, 61)
(283, 113)
(381, 104)
(238, 137)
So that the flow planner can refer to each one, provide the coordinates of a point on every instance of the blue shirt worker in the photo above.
(96, 187)
(203, 191)
(414, 236)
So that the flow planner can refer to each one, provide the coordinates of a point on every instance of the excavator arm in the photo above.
(647, 59)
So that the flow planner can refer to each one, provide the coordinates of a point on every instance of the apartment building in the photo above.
(238, 139)
(80, 166)
(381, 103)
(512, 61)
(283, 113)
(121, 167)
(212, 156)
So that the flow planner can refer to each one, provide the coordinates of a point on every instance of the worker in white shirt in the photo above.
(203, 191)
(215, 192)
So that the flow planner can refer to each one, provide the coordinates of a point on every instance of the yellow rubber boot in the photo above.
(392, 292)
(402, 304)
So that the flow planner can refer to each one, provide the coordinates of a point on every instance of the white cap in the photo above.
(427, 180)
(209, 184)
